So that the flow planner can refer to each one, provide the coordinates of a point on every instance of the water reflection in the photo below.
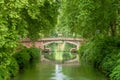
(58, 74)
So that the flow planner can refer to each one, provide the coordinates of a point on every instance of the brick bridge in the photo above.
(40, 43)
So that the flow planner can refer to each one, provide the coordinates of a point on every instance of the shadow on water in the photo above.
(59, 72)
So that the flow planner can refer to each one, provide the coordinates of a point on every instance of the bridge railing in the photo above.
(54, 39)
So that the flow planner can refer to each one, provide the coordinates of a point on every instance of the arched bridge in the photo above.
(40, 43)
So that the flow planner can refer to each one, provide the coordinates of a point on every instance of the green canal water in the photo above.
(42, 71)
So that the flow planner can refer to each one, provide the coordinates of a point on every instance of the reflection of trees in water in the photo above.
(60, 51)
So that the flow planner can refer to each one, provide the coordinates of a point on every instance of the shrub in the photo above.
(103, 54)
(91, 52)
(22, 57)
(26, 55)
(34, 53)
(4, 74)
(8, 66)
(115, 75)
(4, 61)
(108, 63)
(13, 67)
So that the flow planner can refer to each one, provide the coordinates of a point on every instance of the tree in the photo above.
(91, 17)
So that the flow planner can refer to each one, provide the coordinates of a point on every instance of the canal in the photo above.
(42, 71)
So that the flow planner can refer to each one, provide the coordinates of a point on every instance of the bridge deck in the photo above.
(55, 39)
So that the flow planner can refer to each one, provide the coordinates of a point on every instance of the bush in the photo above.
(103, 54)
(22, 57)
(34, 54)
(13, 67)
(4, 61)
(26, 55)
(4, 74)
(115, 75)
(91, 52)
(8, 66)
(108, 63)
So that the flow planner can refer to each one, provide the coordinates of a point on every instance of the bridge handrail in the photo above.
(55, 39)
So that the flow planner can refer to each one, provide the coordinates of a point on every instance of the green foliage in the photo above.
(90, 17)
(68, 56)
(4, 62)
(4, 74)
(22, 58)
(102, 53)
(20, 19)
(49, 56)
(13, 67)
(34, 54)
(99, 22)
(25, 18)
(40, 18)
(108, 63)
(26, 56)
(8, 66)
(115, 73)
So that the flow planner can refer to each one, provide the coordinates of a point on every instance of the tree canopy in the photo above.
(92, 17)
(26, 18)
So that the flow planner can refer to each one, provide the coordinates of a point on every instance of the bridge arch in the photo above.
(44, 41)
(77, 44)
